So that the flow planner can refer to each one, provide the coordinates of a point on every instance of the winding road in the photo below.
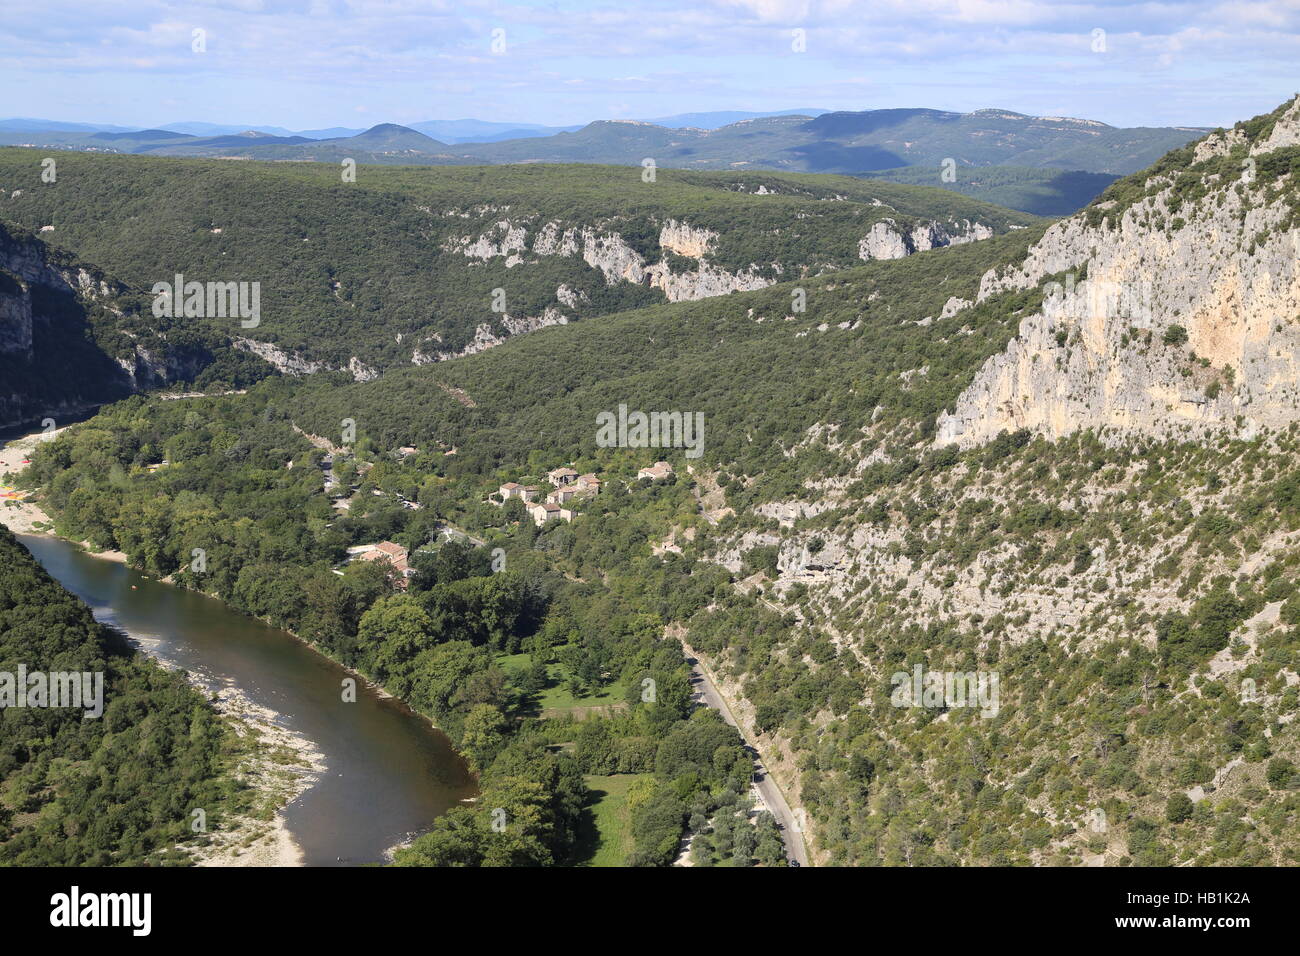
(707, 693)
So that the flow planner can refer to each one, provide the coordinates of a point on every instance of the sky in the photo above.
(305, 64)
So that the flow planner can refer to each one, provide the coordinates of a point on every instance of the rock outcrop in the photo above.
(15, 316)
(49, 365)
(486, 337)
(291, 363)
(686, 240)
(888, 240)
(25, 264)
(72, 338)
(603, 248)
(1178, 315)
(284, 361)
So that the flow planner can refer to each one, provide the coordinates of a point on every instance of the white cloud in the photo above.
(564, 57)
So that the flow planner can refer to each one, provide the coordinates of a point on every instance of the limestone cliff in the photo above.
(1178, 312)
(15, 316)
(71, 338)
(605, 249)
(486, 337)
(888, 240)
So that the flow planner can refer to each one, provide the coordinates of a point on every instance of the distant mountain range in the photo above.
(853, 143)
(446, 131)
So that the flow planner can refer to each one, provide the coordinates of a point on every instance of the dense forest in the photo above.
(117, 789)
(377, 269)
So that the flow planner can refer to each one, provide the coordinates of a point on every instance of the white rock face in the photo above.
(607, 251)
(887, 241)
(953, 306)
(703, 283)
(551, 241)
(290, 363)
(686, 240)
(1285, 133)
(361, 371)
(485, 337)
(610, 253)
(27, 265)
(1217, 144)
(1229, 276)
(502, 239)
(570, 297)
(883, 242)
(286, 362)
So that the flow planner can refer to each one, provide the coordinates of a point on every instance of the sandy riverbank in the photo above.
(19, 516)
(279, 765)
(23, 515)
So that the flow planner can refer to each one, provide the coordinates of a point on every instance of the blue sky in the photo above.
(315, 63)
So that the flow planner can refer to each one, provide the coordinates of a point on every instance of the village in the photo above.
(568, 490)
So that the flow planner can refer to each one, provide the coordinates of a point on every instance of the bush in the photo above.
(1281, 774)
(1179, 808)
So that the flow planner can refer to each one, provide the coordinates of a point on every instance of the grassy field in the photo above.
(606, 837)
(556, 697)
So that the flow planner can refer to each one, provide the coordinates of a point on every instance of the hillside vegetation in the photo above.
(1042, 192)
(402, 266)
(1131, 586)
(114, 790)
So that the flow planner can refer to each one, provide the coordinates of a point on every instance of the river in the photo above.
(388, 773)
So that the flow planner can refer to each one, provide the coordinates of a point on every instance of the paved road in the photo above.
(706, 692)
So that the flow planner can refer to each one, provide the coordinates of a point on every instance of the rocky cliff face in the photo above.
(1179, 310)
(24, 264)
(291, 363)
(486, 337)
(55, 316)
(888, 240)
(605, 249)
(15, 316)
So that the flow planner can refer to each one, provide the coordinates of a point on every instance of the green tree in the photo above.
(1178, 808)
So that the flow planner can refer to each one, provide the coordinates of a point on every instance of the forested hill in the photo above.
(101, 792)
(760, 371)
(403, 266)
(856, 142)
(1042, 192)
(72, 337)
